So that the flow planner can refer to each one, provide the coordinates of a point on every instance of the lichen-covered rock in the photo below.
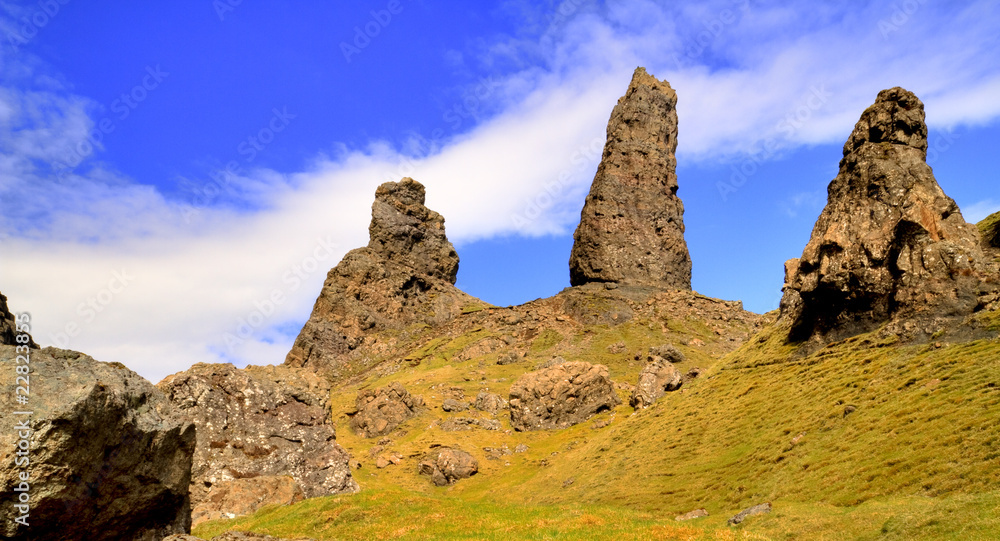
(448, 465)
(890, 245)
(657, 378)
(632, 228)
(490, 402)
(380, 411)
(561, 396)
(109, 456)
(257, 428)
(405, 276)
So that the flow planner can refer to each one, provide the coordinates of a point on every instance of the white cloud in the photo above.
(977, 211)
(773, 73)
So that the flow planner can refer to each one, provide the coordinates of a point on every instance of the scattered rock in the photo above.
(381, 410)
(110, 455)
(697, 513)
(668, 352)
(456, 424)
(657, 378)
(890, 245)
(405, 276)
(617, 347)
(450, 404)
(569, 482)
(448, 465)
(600, 423)
(551, 362)
(697, 342)
(510, 357)
(759, 509)
(561, 396)
(257, 428)
(490, 402)
(849, 409)
(693, 373)
(521, 448)
(631, 228)
(496, 453)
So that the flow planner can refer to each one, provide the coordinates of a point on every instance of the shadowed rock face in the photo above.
(264, 436)
(890, 245)
(631, 228)
(8, 327)
(404, 276)
(110, 457)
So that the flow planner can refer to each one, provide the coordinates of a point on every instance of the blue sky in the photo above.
(176, 179)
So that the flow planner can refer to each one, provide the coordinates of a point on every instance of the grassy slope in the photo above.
(918, 458)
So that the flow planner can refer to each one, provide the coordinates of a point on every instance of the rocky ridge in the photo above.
(890, 245)
(631, 228)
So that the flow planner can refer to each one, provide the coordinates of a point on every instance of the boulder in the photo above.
(405, 276)
(450, 404)
(697, 513)
(490, 402)
(561, 396)
(669, 352)
(657, 378)
(889, 245)
(380, 411)
(631, 228)
(447, 465)
(109, 457)
(264, 436)
(758, 509)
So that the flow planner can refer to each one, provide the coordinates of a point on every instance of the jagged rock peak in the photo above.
(405, 276)
(889, 245)
(631, 228)
(404, 231)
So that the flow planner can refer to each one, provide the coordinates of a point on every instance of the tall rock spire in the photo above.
(405, 276)
(890, 245)
(631, 228)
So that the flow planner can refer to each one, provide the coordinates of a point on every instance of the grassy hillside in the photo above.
(864, 439)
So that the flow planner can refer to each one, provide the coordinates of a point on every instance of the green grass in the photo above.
(917, 458)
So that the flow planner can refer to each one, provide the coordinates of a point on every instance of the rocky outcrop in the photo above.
(561, 396)
(405, 276)
(890, 245)
(9, 328)
(447, 465)
(379, 411)
(490, 402)
(657, 378)
(264, 436)
(631, 228)
(108, 456)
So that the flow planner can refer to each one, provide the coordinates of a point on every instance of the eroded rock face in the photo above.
(380, 411)
(8, 327)
(632, 229)
(110, 457)
(258, 429)
(890, 245)
(448, 465)
(561, 396)
(657, 378)
(405, 276)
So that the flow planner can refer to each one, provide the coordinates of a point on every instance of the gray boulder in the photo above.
(561, 396)
(657, 378)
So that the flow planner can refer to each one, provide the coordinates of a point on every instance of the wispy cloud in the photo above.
(743, 71)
